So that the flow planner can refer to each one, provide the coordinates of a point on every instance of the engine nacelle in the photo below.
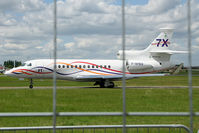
(132, 54)
(134, 66)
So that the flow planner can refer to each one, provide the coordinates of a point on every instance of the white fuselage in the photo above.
(68, 69)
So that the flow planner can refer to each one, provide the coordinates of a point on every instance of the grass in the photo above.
(15, 82)
(163, 81)
(98, 100)
(109, 100)
(143, 81)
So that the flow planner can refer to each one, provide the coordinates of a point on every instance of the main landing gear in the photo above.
(105, 84)
(31, 84)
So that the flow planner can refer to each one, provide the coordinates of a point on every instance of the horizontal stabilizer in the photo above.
(169, 52)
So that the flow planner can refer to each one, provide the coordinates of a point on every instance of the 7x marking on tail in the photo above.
(165, 42)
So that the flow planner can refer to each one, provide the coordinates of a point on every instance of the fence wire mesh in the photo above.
(109, 129)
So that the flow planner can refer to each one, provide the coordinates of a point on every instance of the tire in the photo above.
(111, 85)
(102, 85)
(30, 86)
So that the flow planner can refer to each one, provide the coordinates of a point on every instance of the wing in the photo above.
(113, 77)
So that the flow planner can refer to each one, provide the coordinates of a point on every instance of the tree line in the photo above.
(11, 63)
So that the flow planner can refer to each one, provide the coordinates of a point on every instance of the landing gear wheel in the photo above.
(105, 84)
(111, 85)
(101, 84)
(30, 86)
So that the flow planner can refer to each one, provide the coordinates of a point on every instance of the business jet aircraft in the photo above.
(140, 63)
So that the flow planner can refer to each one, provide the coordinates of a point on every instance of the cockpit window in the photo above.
(26, 64)
(30, 64)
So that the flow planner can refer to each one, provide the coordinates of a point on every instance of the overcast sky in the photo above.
(92, 28)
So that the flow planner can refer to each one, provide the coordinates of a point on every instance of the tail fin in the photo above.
(158, 49)
(162, 42)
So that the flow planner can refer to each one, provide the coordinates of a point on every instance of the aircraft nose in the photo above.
(8, 73)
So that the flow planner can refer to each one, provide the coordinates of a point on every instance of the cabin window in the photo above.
(104, 66)
(63, 66)
(93, 66)
(67, 66)
(59, 66)
(75, 66)
(109, 66)
(71, 66)
(80, 66)
(88, 66)
(100, 66)
(97, 66)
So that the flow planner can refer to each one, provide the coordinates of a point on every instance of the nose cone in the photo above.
(8, 73)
